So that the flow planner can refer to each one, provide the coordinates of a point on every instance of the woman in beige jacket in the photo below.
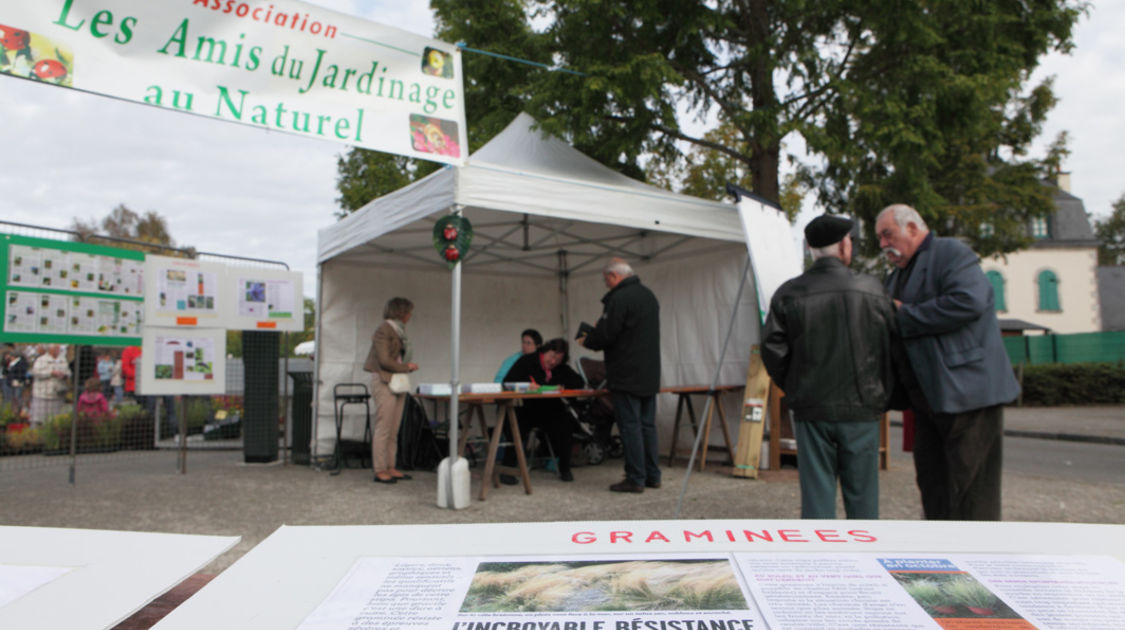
(390, 353)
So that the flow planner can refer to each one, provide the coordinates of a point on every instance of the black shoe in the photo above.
(508, 480)
(566, 475)
(626, 486)
(378, 480)
(652, 484)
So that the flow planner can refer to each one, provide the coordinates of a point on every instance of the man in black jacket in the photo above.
(828, 345)
(629, 333)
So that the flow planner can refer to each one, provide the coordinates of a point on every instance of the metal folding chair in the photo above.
(344, 394)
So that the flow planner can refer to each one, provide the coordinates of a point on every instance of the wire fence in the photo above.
(1098, 347)
(46, 386)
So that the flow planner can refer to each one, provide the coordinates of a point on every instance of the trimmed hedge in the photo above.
(1056, 384)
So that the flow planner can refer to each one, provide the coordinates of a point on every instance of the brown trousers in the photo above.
(388, 416)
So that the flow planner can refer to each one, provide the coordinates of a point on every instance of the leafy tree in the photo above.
(494, 95)
(123, 223)
(363, 175)
(898, 100)
(1111, 233)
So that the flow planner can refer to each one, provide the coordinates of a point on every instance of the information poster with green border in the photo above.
(65, 292)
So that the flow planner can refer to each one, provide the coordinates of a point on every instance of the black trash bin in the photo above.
(260, 395)
(302, 417)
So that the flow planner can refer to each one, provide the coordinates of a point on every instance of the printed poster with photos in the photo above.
(183, 361)
(182, 292)
(62, 292)
(55, 268)
(267, 299)
(732, 591)
(51, 314)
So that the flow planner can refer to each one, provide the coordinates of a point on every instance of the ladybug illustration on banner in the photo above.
(452, 235)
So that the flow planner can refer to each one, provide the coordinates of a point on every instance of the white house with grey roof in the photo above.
(1053, 283)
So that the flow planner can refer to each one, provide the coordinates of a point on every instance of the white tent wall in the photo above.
(696, 294)
(494, 310)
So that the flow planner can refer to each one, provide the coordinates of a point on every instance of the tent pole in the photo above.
(455, 375)
(714, 384)
(564, 294)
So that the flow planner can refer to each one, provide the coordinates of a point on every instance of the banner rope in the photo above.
(464, 47)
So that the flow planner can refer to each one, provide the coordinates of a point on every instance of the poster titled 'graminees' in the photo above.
(281, 65)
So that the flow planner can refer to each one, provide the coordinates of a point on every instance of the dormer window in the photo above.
(1040, 228)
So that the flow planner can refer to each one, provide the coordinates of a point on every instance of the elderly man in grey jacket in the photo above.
(957, 375)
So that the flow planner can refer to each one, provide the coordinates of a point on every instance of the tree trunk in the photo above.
(765, 146)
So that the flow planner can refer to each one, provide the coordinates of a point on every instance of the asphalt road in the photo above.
(1083, 462)
(1076, 461)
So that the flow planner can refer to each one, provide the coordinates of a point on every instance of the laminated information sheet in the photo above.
(738, 591)
(673, 575)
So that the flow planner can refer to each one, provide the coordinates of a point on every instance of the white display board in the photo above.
(671, 575)
(263, 299)
(773, 254)
(183, 293)
(182, 361)
(92, 579)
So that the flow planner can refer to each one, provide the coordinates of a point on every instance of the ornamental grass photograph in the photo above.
(954, 595)
(644, 585)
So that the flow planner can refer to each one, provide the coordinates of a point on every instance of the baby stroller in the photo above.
(594, 417)
(591, 423)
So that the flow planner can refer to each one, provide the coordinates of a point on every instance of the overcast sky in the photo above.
(235, 189)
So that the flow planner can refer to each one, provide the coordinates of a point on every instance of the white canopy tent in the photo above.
(545, 219)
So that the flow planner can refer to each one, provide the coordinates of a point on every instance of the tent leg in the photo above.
(714, 384)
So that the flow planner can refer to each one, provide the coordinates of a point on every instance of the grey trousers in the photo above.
(848, 451)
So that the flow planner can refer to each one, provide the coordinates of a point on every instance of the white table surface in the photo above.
(112, 573)
(282, 580)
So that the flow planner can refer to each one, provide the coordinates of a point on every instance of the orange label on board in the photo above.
(267, 324)
(186, 321)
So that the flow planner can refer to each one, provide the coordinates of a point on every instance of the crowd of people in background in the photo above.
(38, 379)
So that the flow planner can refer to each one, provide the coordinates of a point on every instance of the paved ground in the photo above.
(221, 495)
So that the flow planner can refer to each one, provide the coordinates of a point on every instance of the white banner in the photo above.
(279, 64)
(773, 255)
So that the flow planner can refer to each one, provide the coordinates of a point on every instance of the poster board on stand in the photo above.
(183, 293)
(183, 361)
(55, 291)
(263, 299)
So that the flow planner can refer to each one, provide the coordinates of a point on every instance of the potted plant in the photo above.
(55, 434)
(22, 441)
(137, 431)
(98, 433)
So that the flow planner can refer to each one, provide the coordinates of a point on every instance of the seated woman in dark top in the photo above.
(547, 366)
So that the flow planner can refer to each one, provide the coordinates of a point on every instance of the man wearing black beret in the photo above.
(827, 344)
